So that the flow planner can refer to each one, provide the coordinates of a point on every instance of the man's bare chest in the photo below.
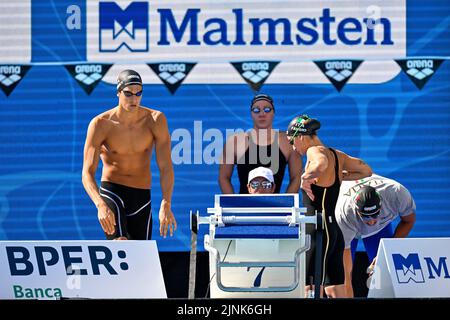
(129, 139)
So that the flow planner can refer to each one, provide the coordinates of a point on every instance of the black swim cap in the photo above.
(368, 201)
(262, 96)
(127, 78)
(302, 125)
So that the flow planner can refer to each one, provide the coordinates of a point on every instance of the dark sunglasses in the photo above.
(263, 184)
(258, 110)
(129, 93)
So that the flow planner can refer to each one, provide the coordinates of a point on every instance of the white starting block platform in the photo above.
(257, 246)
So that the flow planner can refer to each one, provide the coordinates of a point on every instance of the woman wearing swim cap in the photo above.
(261, 146)
(325, 169)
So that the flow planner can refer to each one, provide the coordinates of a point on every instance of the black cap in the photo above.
(368, 201)
(303, 125)
(262, 96)
(128, 78)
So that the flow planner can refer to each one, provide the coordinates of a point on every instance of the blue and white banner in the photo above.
(214, 32)
(80, 269)
(15, 31)
(411, 268)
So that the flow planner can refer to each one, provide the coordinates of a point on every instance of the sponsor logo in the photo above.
(51, 270)
(172, 74)
(419, 71)
(36, 293)
(24, 262)
(11, 75)
(259, 31)
(255, 73)
(338, 71)
(88, 76)
(210, 32)
(126, 28)
(408, 269)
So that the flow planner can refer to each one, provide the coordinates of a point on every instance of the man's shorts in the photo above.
(132, 210)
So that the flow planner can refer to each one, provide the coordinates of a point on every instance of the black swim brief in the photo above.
(132, 210)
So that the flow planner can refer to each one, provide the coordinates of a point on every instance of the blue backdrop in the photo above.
(401, 131)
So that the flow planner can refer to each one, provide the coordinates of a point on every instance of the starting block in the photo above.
(256, 246)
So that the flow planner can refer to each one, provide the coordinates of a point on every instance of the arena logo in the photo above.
(419, 71)
(409, 268)
(11, 75)
(123, 27)
(88, 76)
(255, 73)
(338, 71)
(172, 74)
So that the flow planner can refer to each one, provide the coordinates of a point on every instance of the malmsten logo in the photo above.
(88, 75)
(126, 28)
(255, 73)
(338, 71)
(419, 70)
(172, 74)
(11, 75)
(408, 269)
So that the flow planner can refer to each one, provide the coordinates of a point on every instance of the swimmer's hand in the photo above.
(106, 218)
(166, 219)
(371, 267)
(306, 185)
(370, 272)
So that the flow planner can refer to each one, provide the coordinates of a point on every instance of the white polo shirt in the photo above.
(395, 201)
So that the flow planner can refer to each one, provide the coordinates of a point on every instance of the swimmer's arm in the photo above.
(405, 225)
(349, 233)
(226, 166)
(317, 163)
(94, 139)
(96, 135)
(163, 158)
(167, 221)
(354, 168)
(348, 267)
(295, 172)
